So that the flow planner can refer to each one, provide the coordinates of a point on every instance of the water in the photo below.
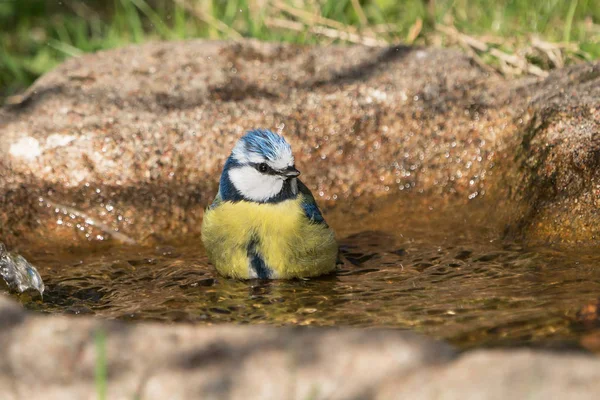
(17, 274)
(444, 272)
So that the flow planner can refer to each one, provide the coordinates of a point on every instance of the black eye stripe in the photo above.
(264, 168)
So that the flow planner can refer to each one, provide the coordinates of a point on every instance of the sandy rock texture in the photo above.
(559, 157)
(497, 375)
(128, 144)
(55, 357)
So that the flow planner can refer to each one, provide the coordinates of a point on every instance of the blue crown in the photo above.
(265, 142)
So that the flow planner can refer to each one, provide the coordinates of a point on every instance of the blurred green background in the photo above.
(511, 37)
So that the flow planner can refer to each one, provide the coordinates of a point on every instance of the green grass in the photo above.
(39, 34)
(101, 372)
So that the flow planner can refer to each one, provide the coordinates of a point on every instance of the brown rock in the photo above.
(133, 139)
(559, 156)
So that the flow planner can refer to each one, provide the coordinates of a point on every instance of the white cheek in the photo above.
(253, 185)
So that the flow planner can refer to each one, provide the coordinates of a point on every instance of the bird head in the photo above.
(260, 168)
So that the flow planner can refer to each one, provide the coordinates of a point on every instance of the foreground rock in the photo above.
(56, 358)
(522, 374)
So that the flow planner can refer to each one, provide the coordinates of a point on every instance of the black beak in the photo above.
(290, 172)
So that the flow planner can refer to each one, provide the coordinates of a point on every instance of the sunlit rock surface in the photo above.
(559, 158)
(128, 144)
(58, 358)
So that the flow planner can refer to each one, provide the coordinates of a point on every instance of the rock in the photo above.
(135, 139)
(559, 158)
(128, 144)
(56, 357)
(517, 374)
(10, 313)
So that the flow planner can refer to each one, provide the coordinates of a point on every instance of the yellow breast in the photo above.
(289, 243)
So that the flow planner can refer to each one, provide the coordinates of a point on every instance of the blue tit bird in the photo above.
(264, 222)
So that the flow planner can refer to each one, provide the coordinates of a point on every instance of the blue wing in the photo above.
(309, 205)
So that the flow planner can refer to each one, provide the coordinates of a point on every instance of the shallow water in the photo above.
(443, 272)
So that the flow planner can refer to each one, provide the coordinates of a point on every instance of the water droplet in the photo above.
(280, 128)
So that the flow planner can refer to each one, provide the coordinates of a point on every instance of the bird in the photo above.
(264, 223)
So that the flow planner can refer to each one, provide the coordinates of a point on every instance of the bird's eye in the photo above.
(263, 167)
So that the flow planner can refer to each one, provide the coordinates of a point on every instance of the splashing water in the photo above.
(19, 274)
